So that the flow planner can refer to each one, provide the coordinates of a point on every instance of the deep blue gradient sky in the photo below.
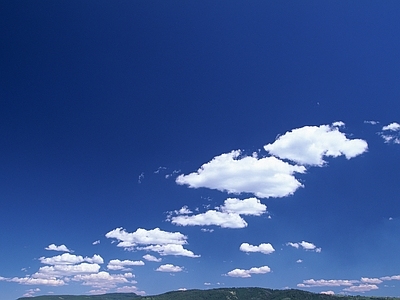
(106, 107)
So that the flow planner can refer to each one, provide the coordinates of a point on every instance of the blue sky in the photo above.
(199, 144)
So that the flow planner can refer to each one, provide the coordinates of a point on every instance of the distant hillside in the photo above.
(215, 294)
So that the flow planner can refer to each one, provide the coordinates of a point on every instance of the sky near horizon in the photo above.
(149, 146)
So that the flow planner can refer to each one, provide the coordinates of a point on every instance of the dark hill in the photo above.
(215, 294)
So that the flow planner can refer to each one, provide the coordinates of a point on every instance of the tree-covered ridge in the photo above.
(215, 294)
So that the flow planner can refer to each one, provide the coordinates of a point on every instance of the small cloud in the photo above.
(96, 242)
(247, 273)
(391, 127)
(61, 248)
(328, 293)
(159, 170)
(371, 122)
(361, 288)
(299, 261)
(338, 124)
(262, 248)
(141, 176)
(118, 265)
(149, 257)
(207, 230)
(169, 268)
(305, 245)
(207, 283)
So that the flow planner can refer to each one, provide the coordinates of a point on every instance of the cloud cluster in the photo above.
(271, 176)
(364, 285)
(227, 215)
(157, 240)
(391, 133)
(247, 273)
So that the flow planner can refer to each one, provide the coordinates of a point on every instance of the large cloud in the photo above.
(162, 242)
(225, 216)
(263, 177)
(309, 144)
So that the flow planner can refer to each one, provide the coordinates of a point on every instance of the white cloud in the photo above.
(309, 144)
(371, 122)
(305, 245)
(361, 288)
(61, 248)
(96, 242)
(211, 217)
(265, 177)
(66, 270)
(392, 127)
(116, 264)
(323, 282)
(299, 261)
(68, 259)
(371, 280)
(250, 206)
(247, 273)
(169, 249)
(104, 279)
(35, 281)
(31, 292)
(328, 293)
(130, 289)
(169, 268)
(146, 237)
(395, 277)
(338, 124)
(149, 257)
(263, 248)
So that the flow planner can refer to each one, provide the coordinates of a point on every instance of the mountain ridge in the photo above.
(249, 293)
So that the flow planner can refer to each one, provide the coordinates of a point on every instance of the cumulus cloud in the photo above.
(169, 249)
(391, 127)
(371, 280)
(163, 242)
(395, 277)
(104, 279)
(146, 237)
(35, 281)
(247, 273)
(265, 177)
(66, 270)
(116, 264)
(361, 288)
(68, 259)
(225, 216)
(323, 282)
(250, 206)
(169, 268)
(61, 248)
(211, 217)
(308, 145)
(305, 245)
(390, 133)
(149, 257)
(263, 248)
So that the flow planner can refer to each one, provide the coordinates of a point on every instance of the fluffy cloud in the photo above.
(149, 257)
(116, 264)
(395, 277)
(250, 206)
(35, 281)
(323, 282)
(68, 259)
(305, 245)
(309, 144)
(225, 216)
(163, 242)
(211, 217)
(263, 248)
(371, 280)
(264, 177)
(61, 248)
(169, 268)
(361, 288)
(169, 249)
(247, 273)
(104, 279)
(392, 127)
(146, 237)
(66, 270)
